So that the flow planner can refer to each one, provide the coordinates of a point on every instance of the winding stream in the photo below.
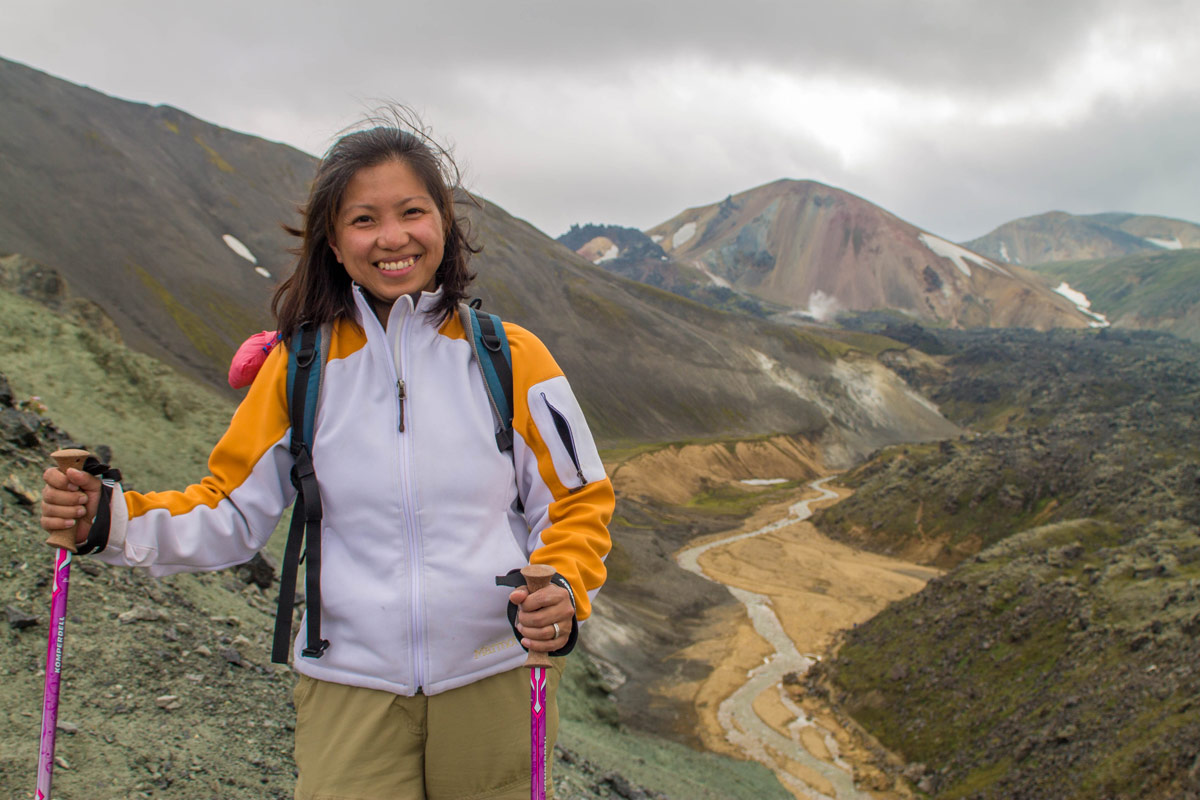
(736, 714)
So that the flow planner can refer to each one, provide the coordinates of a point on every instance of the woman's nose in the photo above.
(392, 234)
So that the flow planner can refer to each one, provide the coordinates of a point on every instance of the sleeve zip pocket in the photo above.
(568, 439)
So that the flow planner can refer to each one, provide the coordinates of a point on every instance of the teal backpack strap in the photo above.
(489, 344)
(308, 351)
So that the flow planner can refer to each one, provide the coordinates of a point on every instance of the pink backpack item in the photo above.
(249, 358)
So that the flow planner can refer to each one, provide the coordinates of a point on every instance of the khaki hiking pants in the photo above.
(468, 743)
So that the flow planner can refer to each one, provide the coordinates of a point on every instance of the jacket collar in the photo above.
(425, 303)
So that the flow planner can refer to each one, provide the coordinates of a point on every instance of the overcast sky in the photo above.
(956, 115)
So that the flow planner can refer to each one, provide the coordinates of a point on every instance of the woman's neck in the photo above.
(383, 308)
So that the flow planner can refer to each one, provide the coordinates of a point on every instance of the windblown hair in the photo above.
(319, 290)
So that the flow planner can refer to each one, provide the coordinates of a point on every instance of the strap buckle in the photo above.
(316, 652)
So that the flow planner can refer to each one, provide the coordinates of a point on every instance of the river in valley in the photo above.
(805, 574)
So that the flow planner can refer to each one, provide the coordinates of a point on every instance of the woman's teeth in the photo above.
(392, 266)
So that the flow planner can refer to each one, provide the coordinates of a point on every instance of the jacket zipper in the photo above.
(404, 446)
(568, 439)
(406, 494)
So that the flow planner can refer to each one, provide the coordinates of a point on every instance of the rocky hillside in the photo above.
(1063, 657)
(817, 251)
(602, 244)
(1061, 650)
(151, 193)
(1066, 425)
(632, 254)
(1157, 290)
(1059, 236)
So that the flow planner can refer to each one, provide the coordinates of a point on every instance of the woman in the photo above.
(420, 692)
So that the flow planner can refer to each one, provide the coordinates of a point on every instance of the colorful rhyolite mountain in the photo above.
(814, 250)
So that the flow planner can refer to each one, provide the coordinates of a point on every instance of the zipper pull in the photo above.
(400, 394)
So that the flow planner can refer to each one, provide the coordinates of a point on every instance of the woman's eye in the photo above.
(414, 211)
(360, 219)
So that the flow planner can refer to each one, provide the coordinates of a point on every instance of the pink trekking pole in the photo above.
(537, 576)
(64, 541)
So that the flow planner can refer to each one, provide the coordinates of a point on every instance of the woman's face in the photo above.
(388, 233)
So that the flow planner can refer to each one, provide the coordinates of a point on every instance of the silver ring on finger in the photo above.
(556, 633)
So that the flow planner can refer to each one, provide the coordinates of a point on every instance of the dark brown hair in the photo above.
(319, 290)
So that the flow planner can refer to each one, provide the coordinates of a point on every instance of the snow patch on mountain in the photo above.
(1082, 302)
(959, 255)
(683, 235)
(1165, 244)
(236, 246)
(609, 255)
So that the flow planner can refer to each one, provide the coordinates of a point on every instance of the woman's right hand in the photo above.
(69, 500)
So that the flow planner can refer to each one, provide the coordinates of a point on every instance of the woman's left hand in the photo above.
(538, 614)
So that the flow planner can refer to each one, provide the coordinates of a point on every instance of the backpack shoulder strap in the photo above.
(308, 348)
(489, 344)
(308, 351)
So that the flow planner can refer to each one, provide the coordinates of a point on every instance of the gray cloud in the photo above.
(954, 114)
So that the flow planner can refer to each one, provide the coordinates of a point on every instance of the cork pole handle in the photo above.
(537, 576)
(67, 459)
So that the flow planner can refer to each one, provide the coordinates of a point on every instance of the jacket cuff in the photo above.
(112, 501)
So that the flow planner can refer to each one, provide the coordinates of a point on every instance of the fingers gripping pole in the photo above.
(66, 459)
(65, 542)
(537, 576)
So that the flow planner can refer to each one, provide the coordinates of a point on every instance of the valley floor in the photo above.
(816, 587)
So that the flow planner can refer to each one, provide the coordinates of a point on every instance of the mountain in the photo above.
(1059, 236)
(1156, 290)
(814, 250)
(132, 204)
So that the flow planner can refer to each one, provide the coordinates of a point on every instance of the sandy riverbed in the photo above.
(816, 587)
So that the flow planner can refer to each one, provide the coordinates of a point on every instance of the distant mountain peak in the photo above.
(1060, 236)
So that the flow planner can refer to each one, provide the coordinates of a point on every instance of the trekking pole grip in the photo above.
(537, 576)
(67, 459)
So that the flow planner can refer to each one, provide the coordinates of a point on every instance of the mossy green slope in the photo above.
(1058, 658)
(160, 425)
(1060, 663)
(1159, 291)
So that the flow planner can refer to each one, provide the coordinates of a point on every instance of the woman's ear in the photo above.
(336, 253)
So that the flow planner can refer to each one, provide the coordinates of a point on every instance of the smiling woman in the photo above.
(409, 666)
